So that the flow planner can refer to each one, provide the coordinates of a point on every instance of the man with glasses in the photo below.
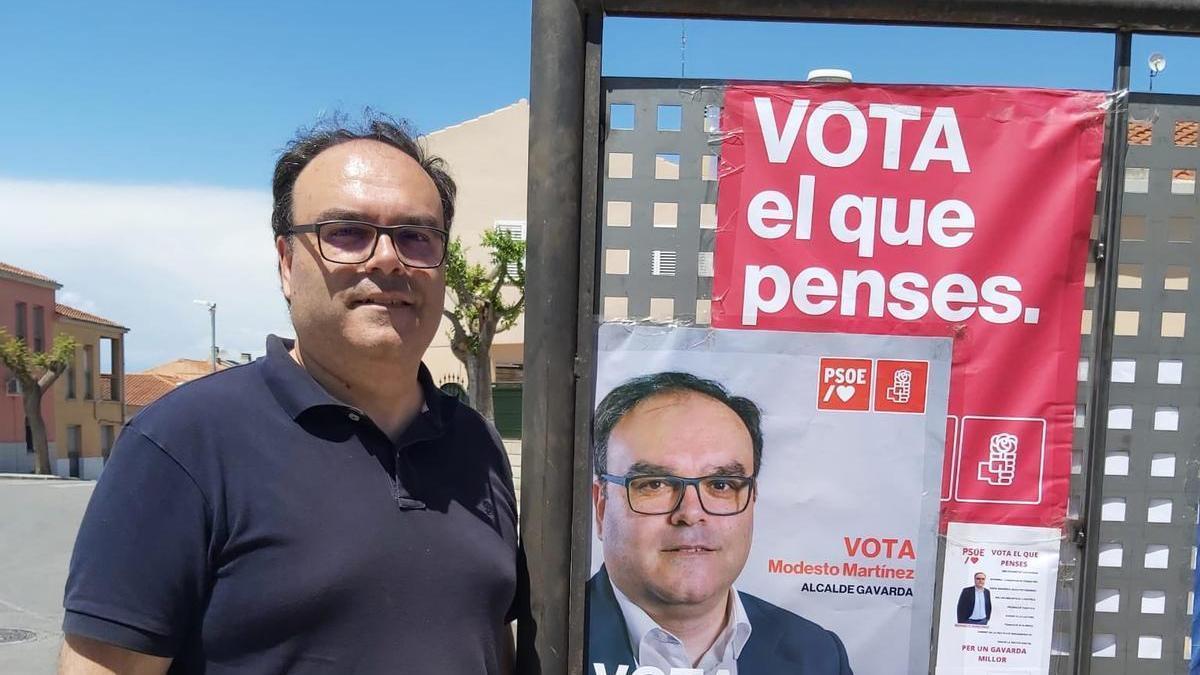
(975, 602)
(676, 458)
(325, 508)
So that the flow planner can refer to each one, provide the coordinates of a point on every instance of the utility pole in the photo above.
(212, 315)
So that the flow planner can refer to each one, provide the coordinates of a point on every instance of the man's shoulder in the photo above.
(760, 610)
(215, 399)
(467, 424)
(796, 634)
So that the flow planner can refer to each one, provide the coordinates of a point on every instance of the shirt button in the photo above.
(354, 417)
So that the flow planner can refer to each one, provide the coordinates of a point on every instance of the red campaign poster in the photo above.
(949, 212)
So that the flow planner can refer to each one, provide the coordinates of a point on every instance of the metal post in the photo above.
(1107, 249)
(585, 380)
(212, 315)
(1151, 16)
(556, 91)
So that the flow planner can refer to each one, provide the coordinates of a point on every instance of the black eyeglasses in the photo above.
(352, 242)
(660, 495)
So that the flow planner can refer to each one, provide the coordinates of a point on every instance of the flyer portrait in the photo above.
(896, 318)
(842, 524)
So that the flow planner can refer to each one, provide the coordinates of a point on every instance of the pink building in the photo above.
(27, 310)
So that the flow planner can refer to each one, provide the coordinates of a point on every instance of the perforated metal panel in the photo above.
(659, 199)
(1148, 537)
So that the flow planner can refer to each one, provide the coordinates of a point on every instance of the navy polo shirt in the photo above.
(250, 522)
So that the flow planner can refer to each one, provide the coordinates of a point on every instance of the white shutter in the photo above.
(663, 263)
(516, 228)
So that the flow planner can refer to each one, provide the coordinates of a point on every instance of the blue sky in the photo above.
(204, 93)
(134, 128)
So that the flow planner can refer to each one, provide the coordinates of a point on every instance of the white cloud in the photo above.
(139, 255)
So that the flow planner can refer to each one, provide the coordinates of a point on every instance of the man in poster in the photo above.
(975, 602)
(675, 459)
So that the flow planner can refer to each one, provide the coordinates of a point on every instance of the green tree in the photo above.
(487, 300)
(36, 372)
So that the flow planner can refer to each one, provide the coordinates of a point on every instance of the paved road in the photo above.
(37, 531)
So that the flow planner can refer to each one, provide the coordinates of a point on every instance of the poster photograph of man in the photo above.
(975, 602)
(675, 460)
(730, 532)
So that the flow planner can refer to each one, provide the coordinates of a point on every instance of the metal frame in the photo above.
(564, 158)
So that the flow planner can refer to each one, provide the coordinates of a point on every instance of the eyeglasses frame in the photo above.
(623, 481)
(380, 230)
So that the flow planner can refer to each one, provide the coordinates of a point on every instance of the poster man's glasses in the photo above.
(352, 242)
(660, 495)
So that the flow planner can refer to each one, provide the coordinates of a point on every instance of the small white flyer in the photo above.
(997, 610)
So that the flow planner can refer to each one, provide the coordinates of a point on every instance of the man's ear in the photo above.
(599, 503)
(283, 249)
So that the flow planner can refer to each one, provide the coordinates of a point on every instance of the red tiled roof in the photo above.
(80, 315)
(32, 276)
(186, 369)
(142, 389)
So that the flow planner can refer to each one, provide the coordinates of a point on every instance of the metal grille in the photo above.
(659, 198)
(1148, 533)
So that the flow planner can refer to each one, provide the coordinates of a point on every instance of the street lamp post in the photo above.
(212, 315)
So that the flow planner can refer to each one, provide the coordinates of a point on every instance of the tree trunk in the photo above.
(31, 394)
(479, 384)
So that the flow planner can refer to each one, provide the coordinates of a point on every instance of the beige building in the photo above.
(487, 157)
(89, 409)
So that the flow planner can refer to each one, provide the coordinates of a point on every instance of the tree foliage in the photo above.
(488, 299)
(36, 372)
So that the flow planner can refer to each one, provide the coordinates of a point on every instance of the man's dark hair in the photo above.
(335, 130)
(628, 395)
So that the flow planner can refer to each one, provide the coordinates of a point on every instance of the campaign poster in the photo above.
(999, 583)
(831, 555)
(961, 213)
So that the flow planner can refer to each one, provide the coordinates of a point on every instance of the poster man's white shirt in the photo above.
(657, 648)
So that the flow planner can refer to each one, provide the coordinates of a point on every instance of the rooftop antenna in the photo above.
(1158, 63)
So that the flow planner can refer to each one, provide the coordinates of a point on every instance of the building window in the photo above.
(39, 328)
(12, 386)
(108, 436)
(71, 377)
(109, 357)
(22, 322)
(515, 228)
(89, 373)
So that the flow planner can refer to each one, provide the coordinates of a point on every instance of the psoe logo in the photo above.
(901, 386)
(1000, 467)
(844, 384)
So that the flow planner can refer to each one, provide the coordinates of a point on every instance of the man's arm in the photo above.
(139, 570)
(84, 656)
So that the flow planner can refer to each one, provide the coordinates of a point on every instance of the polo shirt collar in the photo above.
(297, 392)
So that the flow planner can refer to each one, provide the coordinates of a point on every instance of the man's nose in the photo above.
(385, 259)
(690, 510)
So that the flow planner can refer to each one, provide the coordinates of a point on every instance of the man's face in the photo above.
(980, 580)
(687, 557)
(379, 309)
